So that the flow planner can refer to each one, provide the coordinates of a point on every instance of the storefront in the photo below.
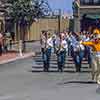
(90, 21)
(86, 14)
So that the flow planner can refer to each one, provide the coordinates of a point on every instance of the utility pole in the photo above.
(59, 20)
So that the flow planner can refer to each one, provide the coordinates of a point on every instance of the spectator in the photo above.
(12, 36)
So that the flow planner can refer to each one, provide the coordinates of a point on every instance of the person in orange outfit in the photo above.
(96, 31)
(95, 45)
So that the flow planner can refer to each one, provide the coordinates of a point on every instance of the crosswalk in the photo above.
(69, 64)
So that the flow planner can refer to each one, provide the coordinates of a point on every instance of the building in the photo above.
(51, 24)
(86, 14)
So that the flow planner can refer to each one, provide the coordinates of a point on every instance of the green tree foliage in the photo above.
(25, 11)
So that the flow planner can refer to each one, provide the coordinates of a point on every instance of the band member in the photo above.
(54, 43)
(61, 46)
(78, 55)
(43, 40)
(95, 44)
(47, 45)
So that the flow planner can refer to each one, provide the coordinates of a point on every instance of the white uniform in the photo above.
(49, 43)
(61, 45)
(43, 41)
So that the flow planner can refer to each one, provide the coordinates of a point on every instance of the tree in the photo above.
(28, 10)
(24, 12)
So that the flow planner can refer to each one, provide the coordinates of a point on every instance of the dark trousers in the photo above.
(46, 54)
(69, 50)
(78, 57)
(61, 60)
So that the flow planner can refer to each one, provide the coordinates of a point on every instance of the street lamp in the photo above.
(57, 13)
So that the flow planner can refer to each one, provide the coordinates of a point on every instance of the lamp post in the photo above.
(59, 20)
(57, 13)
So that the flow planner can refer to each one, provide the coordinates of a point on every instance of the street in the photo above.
(25, 80)
(49, 50)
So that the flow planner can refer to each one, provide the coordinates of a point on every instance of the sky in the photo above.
(64, 5)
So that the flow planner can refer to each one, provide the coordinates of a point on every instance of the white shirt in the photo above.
(63, 43)
(49, 43)
(73, 41)
(43, 41)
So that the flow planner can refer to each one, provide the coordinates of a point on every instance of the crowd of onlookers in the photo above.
(5, 40)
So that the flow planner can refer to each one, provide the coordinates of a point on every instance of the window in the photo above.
(85, 2)
(96, 1)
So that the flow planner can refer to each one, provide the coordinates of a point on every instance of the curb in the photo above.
(18, 58)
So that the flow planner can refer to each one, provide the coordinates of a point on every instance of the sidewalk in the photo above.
(13, 56)
(31, 48)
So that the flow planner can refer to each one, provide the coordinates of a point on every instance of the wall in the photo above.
(50, 24)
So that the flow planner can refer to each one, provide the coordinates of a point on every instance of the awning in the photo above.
(93, 16)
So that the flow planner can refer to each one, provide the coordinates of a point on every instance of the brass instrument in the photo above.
(60, 47)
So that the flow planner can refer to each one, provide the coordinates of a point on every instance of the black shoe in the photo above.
(78, 68)
(47, 70)
(44, 69)
(90, 66)
(60, 68)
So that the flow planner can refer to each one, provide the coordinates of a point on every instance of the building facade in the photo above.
(49, 24)
(86, 13)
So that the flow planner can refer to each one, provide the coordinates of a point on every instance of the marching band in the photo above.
(77, 45)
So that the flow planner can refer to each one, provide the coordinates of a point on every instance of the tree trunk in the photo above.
(23, 28)
(24, 44)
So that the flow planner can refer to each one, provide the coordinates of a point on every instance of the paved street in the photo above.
(47, 25)
(19, 81)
